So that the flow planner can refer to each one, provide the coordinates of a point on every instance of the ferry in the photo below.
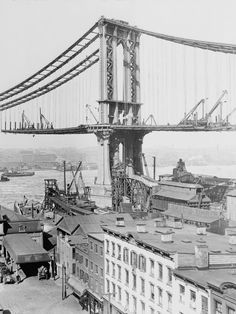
(18, 173)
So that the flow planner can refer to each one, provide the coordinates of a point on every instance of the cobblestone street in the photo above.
(39, 297)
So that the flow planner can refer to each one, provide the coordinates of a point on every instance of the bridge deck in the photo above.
(88, 129)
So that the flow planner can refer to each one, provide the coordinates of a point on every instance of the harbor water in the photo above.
(33, 187)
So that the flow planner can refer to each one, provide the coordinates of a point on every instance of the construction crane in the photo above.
(226, 119)
(216, 105)
(186, 120)
(43, 120)
(25, 121)
(74, 174)
(145, 165)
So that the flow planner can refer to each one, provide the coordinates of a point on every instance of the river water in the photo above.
(33, 187)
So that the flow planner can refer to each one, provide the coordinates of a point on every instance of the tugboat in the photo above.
(4, 178)
(18, 173)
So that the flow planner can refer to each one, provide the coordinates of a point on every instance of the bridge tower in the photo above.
(113, 111)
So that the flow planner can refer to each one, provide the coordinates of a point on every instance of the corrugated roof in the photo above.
(191, 213)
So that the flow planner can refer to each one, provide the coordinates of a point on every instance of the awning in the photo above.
(23, 249)
(76, 285)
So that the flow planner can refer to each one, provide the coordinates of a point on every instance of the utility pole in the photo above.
(63, 282)
(154, 167)
(64, 168)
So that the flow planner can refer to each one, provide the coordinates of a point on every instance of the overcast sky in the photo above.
(33, 32)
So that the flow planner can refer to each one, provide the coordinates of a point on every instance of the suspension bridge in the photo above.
(121, 82)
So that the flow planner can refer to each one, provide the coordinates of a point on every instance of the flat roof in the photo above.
(214, 277)
(215, 242)
(24, 250)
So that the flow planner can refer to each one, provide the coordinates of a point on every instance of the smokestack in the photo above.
(201, 256)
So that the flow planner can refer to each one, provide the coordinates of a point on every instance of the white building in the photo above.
(231, 205)
(139, 268)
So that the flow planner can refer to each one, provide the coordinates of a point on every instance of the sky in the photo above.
(33, 32)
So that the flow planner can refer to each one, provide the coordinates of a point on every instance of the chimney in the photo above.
(159, 222)
(201, 230)
(201, 255)
(232, 238)
(120, 221)
(167, 236)
(141, 228)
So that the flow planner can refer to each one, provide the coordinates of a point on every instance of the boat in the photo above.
(18, 173)
(4, 178)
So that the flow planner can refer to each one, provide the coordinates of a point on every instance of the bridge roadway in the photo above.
(93, 128)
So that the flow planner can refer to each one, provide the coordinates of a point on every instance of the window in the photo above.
(126, 277)
(160, 271)
(181, 293)
(91, 282)
(160, 296)
(152, 310)
(142, 307)
(91, 245)
(169, 302)
(113, 270)
(151, 267)
(108, 286)
(113, 290)
(107, 267)
(218, 307)
(96, 269)
(91, 266)
(86, 263)
(142, 286)
(101, 272)
(101, 250)
(126, 299)
(169, 272)
(113, 249)
(192, 299)
(119, 272)
(205, 305)
(73, 268)
(22, 228)
(134, 281)
(119, 252)
(134, 305)
(126, 255)
(96, 248)
(142, 263)
(230, 310)
(119, 293)
(96, 286)
(152, 295)
(73, 253)
(133, 259)
(107, 246)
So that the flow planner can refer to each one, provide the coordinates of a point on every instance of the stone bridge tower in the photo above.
(120, 143)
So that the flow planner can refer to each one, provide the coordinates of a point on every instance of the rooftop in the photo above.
(180, 184)
(215, 242)
(181, 195)
(214, 277)
(97, 236)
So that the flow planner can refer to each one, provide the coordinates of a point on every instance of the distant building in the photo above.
(178, 193)
(231, 205)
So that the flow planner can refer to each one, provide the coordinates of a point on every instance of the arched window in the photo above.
(142, 263)
(133, 259)
(126, 255)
